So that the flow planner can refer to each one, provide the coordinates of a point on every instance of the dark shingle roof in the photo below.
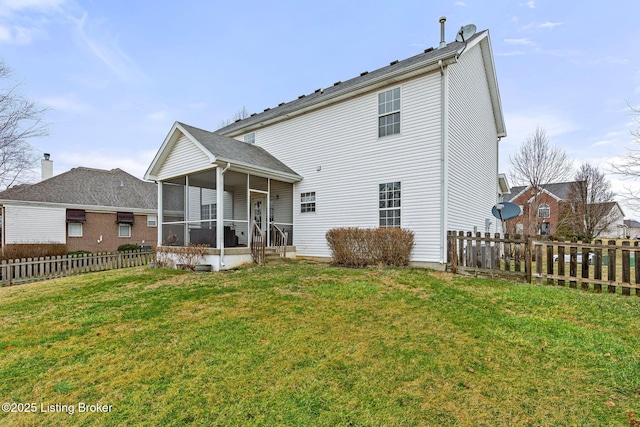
(430, 56)
(232, 150)
(89, 187)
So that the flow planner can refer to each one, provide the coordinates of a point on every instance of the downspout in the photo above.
(220, 213)
(443, 197)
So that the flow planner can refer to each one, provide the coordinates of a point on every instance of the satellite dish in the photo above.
(505, 210)
(465, 33)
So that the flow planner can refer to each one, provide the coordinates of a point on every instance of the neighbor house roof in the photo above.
(88, 187)
(560, 190)
(396, 71)
(632, 223)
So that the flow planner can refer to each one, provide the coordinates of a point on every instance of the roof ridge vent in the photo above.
(364, 73)
(429, 49)
(394, 62)
(337, 83)
(301, 96)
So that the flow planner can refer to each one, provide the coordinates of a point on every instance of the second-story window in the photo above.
(389, 112)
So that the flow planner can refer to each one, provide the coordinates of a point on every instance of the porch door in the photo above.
(259, 211)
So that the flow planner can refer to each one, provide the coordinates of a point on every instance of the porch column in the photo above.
(159, 213)
(219, 209)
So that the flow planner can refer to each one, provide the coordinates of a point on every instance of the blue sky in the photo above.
(117, 74)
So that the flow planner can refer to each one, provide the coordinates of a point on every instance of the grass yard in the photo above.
(306, 344)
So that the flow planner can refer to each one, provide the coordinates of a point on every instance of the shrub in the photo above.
(129, 247)
(80, 253)
(359, 247)
(186, 257)
(33, 250)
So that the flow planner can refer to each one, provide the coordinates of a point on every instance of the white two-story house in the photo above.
(413, 144)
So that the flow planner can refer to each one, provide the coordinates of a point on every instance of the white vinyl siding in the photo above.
(184, 157)
(342, 141)
(472, 150)
(35, 224)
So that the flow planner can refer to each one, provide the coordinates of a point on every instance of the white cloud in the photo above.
(512, 53)
(522, 41)
(66, 103)
(531, 4)
(460, 4)
(157, 116)
(550, 24)
(107, 49)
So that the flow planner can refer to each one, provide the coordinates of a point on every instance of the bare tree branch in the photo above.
(20, 120)
(238, 115)
(591, 201)
(537, 164)
(629, 166)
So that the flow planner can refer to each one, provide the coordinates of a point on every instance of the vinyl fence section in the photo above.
(594, 266)
(26, 270)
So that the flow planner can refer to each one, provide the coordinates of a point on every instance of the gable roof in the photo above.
(559, 190)
(88, 187)
(219, 148)
(396, 71)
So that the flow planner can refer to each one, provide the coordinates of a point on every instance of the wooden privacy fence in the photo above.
(18, 271)
(547, 262)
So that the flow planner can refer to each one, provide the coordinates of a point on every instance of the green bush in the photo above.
(33, 250)
(80, 253)
(359, 247)
(129, 247)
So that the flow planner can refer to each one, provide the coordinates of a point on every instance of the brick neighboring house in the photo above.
(551, 211)
(86, 209)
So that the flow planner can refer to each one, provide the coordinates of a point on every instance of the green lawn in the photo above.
(305, 344)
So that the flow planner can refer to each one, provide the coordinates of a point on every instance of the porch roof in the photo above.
(222, 149)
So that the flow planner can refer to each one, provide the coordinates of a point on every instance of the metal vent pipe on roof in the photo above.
(443, 43)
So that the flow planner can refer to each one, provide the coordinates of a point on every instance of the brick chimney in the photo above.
(47, 167)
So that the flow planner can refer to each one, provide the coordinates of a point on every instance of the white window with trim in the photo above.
(389, 112)
(308, 202)
(544, 211)
(389, 206)
(250, 138)
(124, 230)
(152, 220)
(74, 229)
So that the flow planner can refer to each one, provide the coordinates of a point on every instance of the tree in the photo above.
(238, 115)
(629, 166)
(591, 206)
(536, 164)
(20, 121)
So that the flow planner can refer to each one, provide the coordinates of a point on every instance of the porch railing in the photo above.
(279, 240)
(258, 242)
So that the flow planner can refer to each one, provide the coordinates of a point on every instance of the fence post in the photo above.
(573, 263)
(597, 268)
(636, 257)
(507, 252)
(561, 265)
(461, 248)
(5, 273)
(497, 249)
(538, 248)
(469, 247)
(527, 258)
(479, 259)
(612, 266)
(550, 264)
(454, 253)
(626, 268)
(586, 261)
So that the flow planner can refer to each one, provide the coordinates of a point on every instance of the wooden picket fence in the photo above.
(19, 271)
(526, 259)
